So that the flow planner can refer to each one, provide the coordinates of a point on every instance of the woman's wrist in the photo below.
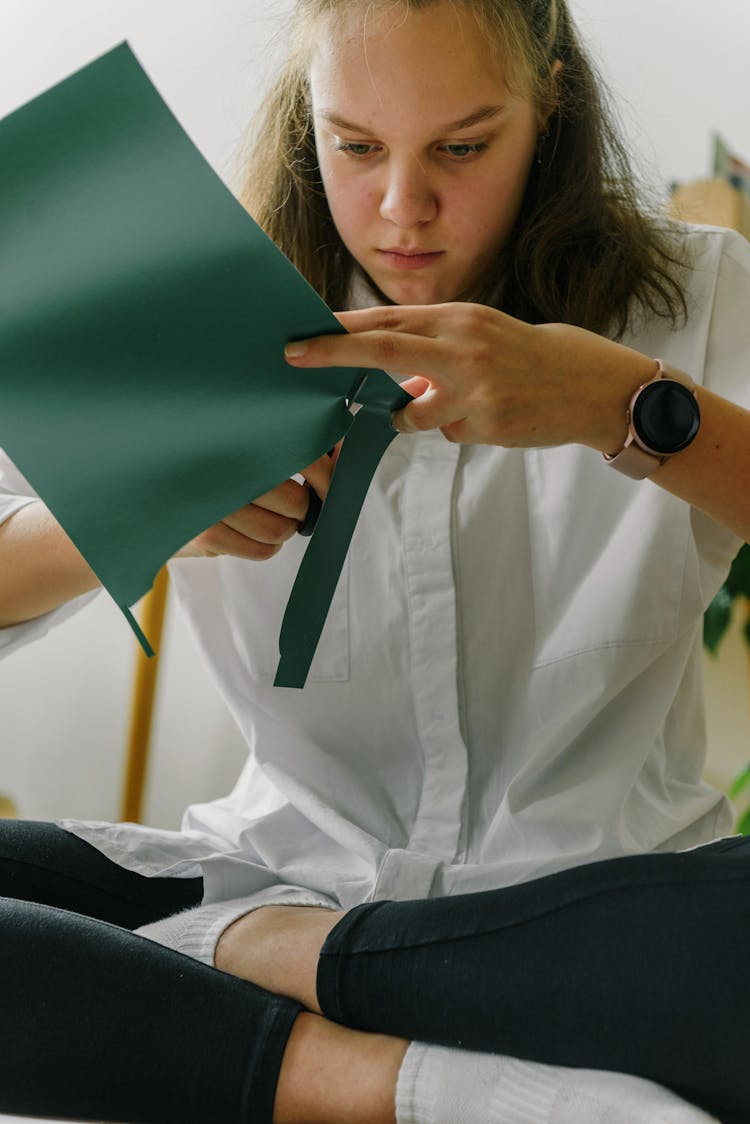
(600, 377)
(633, 372)
(710, 474)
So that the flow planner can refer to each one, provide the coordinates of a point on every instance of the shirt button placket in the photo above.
(433, 644)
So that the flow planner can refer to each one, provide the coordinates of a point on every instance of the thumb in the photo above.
(318, 474)
(422, 413)
(403, 420)
(416, 385)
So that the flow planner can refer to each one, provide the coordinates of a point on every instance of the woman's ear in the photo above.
(553, 99)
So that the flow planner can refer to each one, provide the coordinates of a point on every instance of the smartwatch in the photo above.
(663, 418)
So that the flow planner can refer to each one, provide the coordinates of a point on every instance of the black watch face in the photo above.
(666, 416)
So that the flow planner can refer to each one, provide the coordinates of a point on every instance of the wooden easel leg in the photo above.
(142, 706)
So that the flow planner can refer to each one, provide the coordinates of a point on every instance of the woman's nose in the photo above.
(408, 198)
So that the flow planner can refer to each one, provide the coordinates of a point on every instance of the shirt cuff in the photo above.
(15, 636)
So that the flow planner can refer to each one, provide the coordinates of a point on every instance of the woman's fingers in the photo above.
(262, 525)
(223, 539)
(258, 530)
(318, 474)
(417, 319)
(398, 352)
(399, 340)
(389, 351)
(288, 499)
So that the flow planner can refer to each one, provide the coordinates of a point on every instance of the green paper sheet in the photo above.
(143, 317)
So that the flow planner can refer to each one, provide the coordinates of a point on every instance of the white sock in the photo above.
(196, 931)
(437, 1085)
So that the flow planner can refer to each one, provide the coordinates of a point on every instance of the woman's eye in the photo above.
(353, 148)
(463, 150)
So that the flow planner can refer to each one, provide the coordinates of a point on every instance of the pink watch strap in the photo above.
(634, 461)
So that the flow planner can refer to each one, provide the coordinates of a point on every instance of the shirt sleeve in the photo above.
(727, 369)
(726, 372)
(15, 490)
(15, 493)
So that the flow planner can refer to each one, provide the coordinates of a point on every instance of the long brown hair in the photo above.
(587, 247)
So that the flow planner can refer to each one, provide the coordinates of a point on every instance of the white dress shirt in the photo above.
(509, 679)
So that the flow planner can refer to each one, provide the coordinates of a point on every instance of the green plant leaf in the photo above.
(743, 823)
(740, 782)
(738, 581)
(716, 619)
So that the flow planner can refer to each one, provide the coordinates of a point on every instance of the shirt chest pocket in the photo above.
(608, 561)
(255, 596)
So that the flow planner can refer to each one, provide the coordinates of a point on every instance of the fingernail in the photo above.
(394, 426)
(294, 350)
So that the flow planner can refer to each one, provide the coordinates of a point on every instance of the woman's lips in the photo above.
(410, 260)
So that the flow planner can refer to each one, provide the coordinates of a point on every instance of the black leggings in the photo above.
(635, 964)
(99, 1023)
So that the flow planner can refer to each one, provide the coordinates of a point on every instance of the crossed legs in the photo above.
(636, 964)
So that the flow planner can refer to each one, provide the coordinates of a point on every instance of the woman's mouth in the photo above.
(410, 259)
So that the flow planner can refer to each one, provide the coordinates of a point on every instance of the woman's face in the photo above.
(423, 150)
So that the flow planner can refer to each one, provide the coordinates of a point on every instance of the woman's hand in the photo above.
(259, 529)
(483, 377)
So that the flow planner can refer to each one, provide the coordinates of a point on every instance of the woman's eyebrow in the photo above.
(484, 113)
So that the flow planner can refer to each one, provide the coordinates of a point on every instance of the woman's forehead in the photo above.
(436, 56)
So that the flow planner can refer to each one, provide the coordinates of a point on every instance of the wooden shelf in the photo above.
(714, 202)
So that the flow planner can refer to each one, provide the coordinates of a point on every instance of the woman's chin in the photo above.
(415, 291)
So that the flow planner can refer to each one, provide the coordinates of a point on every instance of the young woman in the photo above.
(489, 794)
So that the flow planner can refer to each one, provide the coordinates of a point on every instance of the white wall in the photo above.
(207, 57)
(678, 71)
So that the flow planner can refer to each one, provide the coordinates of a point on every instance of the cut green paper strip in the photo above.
(315, 584)
(143, 318)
